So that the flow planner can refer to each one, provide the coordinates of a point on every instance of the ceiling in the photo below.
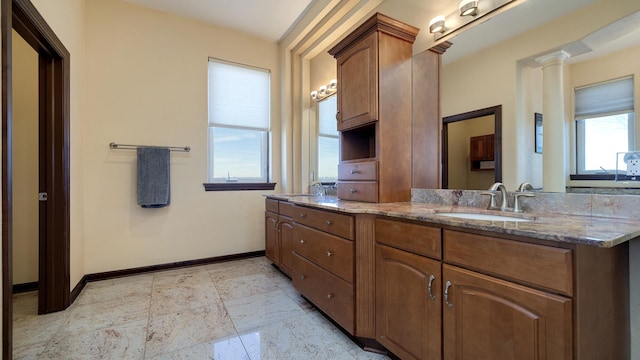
(269, 20)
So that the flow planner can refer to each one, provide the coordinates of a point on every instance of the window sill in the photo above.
(238, 186)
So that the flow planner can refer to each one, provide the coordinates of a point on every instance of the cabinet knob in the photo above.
(328, 222)
(329, 296)
(302, 277)
(355, 172)
(302, 216)
(338, 116)
(353, 191)
(329, 253)
(301, 241)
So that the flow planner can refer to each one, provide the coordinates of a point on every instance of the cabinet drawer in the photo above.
(548, 267)
(418, 239)
(327, 291)
(366, 191)
(271, 205)
(333, 223)
(331, 252)
(365, 170)
(286, 209)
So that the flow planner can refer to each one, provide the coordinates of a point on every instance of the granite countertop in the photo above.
(595, 231)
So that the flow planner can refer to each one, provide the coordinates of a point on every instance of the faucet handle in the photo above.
(516, 200)
(492, 203)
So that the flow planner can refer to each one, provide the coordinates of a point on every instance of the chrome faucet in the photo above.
(524, 187)
(522, 191)
(504, 204)
(318, 189)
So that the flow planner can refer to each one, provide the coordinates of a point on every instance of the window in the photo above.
(239, 118)
(605, 125)
(328, 143)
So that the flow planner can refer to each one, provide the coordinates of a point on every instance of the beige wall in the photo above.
(147, 84)
(460, 175)
(25, 161)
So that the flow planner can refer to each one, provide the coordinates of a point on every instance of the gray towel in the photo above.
(153, 177)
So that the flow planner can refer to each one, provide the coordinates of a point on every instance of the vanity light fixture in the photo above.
(325, 90)
(468, 7)
(436, 25)
(333, 85)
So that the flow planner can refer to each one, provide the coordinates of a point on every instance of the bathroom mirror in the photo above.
(489, 63)
(324, 141)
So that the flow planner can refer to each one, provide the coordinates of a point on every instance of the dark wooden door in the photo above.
(358, 84)
(408, 313)
(485, 318)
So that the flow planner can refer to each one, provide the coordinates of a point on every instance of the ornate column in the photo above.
(554, 157)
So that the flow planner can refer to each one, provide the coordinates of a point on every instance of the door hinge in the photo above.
(42, 196)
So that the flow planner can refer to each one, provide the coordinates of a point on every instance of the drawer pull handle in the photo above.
(329, 254)
(302, 216)
(329, 296)
(328, 222)
(301, 241)
(355, 172)
(446, 294)
(353, 191)
(431, 278)
(302, 277)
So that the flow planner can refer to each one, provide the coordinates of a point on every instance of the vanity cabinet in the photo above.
(496, 298)
(374, 110)
(279, 233)
(506, 303)
(488, 318)
(408, 282)
(323, 260)
(272, 241)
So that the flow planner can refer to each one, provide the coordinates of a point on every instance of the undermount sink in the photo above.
(487, 217)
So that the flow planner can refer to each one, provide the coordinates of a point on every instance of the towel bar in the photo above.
(125, 146)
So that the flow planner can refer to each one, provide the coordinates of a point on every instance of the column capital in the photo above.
(554, 58)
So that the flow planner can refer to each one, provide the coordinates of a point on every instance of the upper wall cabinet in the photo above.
(374, 111)
(370, 67)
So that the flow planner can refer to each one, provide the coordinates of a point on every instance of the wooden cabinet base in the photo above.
(331, 294)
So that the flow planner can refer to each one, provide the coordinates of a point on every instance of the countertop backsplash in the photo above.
(615, 206)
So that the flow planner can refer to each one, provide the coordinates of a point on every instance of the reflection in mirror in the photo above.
(472, 149)
(324, 140)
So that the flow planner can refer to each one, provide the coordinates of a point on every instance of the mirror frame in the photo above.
(496, 111)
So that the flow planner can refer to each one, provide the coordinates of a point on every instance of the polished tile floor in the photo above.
(243, 309)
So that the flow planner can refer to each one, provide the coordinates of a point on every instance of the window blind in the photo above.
(603, 99)
(239, 96)
(327, 123)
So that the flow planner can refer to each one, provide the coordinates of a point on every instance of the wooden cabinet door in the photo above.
(481, 148)
(286, 238)
(485, 318)
(271, 237)
(408, 314)
(358, 84)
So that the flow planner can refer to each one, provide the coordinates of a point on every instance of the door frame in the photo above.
(496, 111)
(54, 109)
